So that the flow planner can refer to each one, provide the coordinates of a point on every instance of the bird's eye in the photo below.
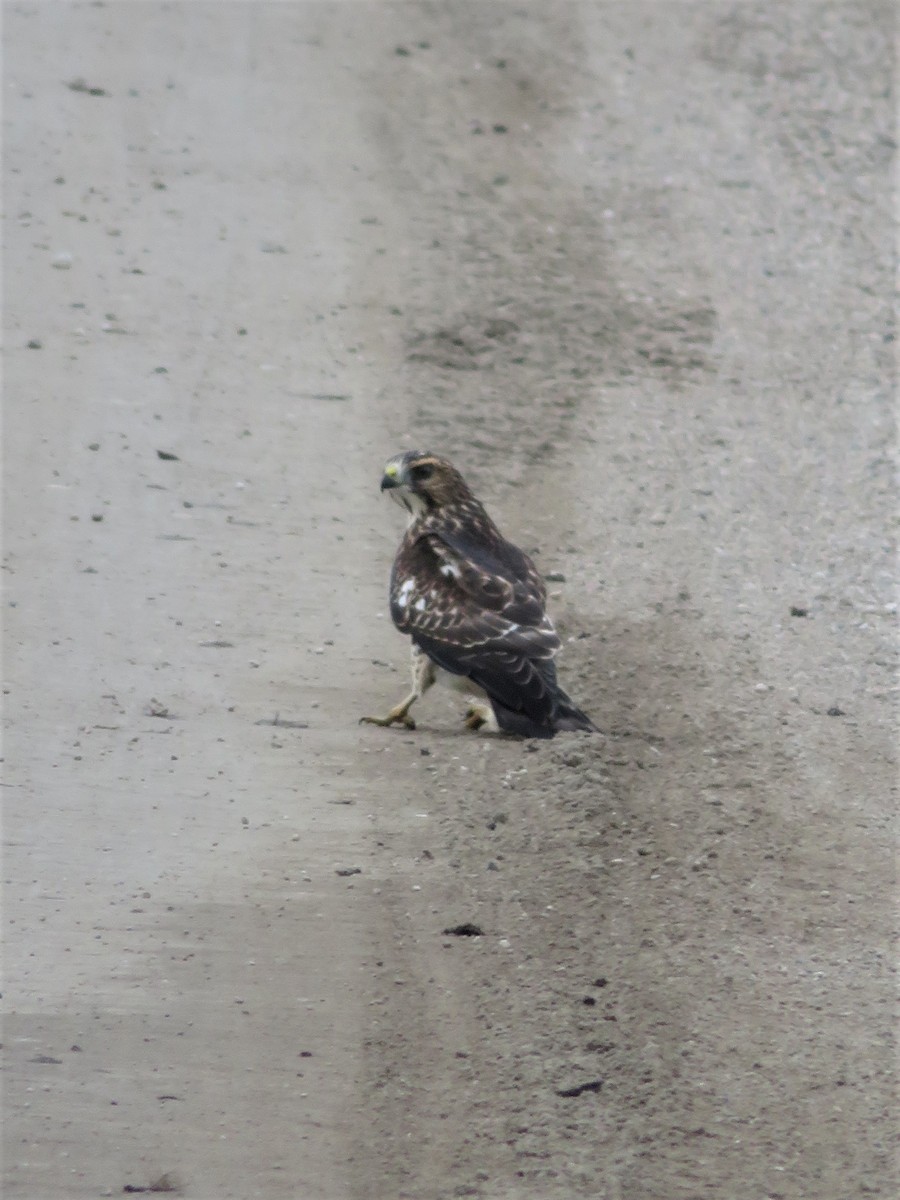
(421, 473)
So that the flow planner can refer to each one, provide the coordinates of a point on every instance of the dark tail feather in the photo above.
(520, 723)
(566, 718)
(569, 717)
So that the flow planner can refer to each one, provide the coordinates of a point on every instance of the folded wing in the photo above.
(478, 610)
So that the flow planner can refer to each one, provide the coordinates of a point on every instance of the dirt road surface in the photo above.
(630, 266)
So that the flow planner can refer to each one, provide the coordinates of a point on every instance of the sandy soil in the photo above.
(629, 265)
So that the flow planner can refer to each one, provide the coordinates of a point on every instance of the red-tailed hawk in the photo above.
(473, 605)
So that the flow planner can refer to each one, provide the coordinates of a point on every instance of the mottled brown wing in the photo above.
(469, 539)
(457, 590)
(480, 615)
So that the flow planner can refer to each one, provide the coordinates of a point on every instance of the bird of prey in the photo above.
(473, 605)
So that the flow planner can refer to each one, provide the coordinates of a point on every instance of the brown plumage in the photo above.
(473, 605)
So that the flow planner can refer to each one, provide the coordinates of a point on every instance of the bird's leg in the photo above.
(399, 714)
(423, 677)
(479, 714)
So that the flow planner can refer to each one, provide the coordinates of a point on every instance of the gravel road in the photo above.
(630, 267)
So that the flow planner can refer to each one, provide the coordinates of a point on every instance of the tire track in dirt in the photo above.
(676, 921)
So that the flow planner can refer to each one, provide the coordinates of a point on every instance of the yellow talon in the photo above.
(474, 719)
(391, 719)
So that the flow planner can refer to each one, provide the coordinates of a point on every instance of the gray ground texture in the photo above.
(630, 266)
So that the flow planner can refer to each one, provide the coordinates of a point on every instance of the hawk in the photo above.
(473, 605)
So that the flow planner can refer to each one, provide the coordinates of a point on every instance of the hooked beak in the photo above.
(391, 477)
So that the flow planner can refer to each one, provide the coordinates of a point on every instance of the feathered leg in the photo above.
(480, 715)
(423, 676)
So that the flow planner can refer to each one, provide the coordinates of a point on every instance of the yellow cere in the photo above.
(391, 470)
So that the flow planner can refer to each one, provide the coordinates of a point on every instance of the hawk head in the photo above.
(423, 482)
